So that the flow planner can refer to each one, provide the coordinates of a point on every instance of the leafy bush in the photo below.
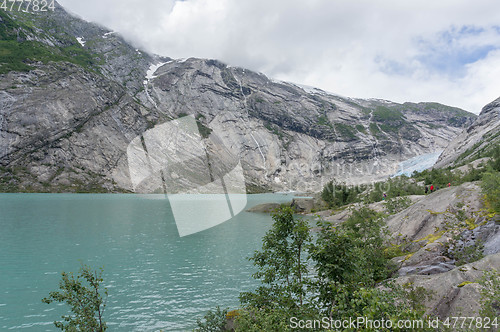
(213, 321)
(495, 159)
(353, 253)
(490, 294)
(374, 129)
(395, 187)
(491, 189)
(346, 131)
(323, 121)
(361, 128)
(394, 303)
(397, 204)
(265, 319)
(339, 194)
(202, 129)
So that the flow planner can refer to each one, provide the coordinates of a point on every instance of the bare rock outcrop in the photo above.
(456, 292)
(438, 228)
(481, 135)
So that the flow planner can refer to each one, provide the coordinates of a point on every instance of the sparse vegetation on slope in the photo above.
(17, 53)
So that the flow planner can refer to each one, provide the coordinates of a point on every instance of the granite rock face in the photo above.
(68, 117)
(482, 135)
(289, 138)
(443, 230)
(457, 292)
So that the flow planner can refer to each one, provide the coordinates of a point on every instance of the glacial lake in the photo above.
(155, 279)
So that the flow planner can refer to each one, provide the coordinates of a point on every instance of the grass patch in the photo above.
(323, 121)
(384, 114)
(374, 129)
(17, 56)
(431, 238)
(346, 131)
(204, 130)
(361, 128)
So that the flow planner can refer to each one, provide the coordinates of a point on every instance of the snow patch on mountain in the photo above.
(107, 34)
(149, 76)
(81, 41)
(153, 68)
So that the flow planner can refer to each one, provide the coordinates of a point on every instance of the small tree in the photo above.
(491, 187)
(282, 264)
(337, 194)
(84, 295)
(349, 256)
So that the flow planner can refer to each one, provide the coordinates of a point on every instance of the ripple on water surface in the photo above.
(155, 279)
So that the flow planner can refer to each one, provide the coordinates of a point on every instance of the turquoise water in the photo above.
(155, 279)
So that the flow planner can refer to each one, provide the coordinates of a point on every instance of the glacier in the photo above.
(418, 163)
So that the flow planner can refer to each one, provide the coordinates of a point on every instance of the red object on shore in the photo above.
(432, 188)
(449, 184)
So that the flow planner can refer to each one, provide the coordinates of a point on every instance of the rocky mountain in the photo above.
(475, 140)
(74, 97)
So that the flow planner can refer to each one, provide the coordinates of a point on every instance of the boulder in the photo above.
(303, 205)
(456, 292)
(264, 208)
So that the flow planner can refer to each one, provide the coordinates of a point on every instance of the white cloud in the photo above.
(387, 49)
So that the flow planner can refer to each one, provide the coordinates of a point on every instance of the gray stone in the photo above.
(264, 208)
(303, 205)
(482, 133)
(452, 295)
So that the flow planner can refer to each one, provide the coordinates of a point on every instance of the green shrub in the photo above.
(491, 189)
(339, 194)
(352, 253)
(394, 303)
(203, 130)
(495, 159)
(490, 294)
(394, 187)
(348, 262)
(361, 128)
(213, 321)
(323, 121)
(397, 204)
(374, 129)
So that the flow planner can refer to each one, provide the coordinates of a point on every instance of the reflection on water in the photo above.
(156, 279)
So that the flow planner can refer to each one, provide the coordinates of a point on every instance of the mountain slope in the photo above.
(74, 96)
(482, 136)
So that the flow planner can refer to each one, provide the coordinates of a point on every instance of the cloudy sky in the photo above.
(446, 51)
